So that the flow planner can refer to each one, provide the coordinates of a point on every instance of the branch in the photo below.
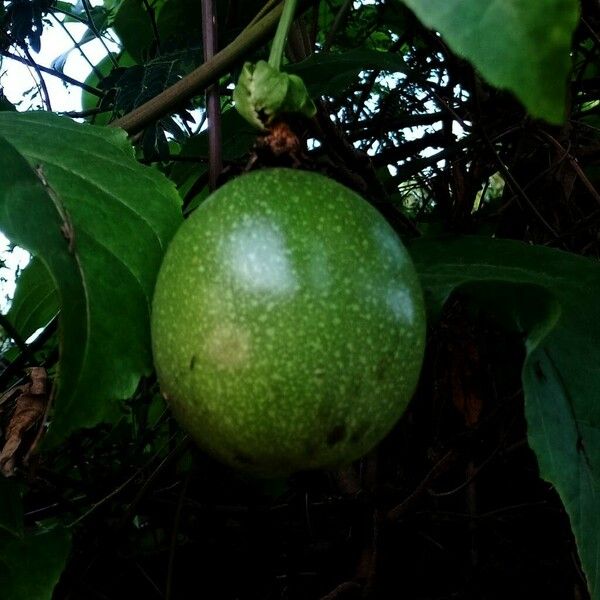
(54, 72)
(378, 127)
(202, 77)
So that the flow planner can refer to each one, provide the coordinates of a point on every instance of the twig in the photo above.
(152, 17)
(440, 467)
(12, 333)
(92, 26)
(79, 114)
(348, 589)
(42, 82)
(120, 487)
(182, 446)
(21, 361)
(337, 21)
(77, 45)
(149, 579)
(573, 161)
(269, 5)
(508, 176)
(176, 522)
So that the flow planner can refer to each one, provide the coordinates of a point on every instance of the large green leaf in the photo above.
(30, 566)
(178, 25)
(35, 301)
(74, 196)
(133, 25)
(11, 508)
(520, 45)
(552, 297)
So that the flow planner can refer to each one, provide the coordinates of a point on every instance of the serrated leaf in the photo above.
(35, 301)
(100, 225)
(552, 297)
(519, 45)
(30, 566)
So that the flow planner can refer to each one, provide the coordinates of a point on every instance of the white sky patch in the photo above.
(18, 79)
(13, 261)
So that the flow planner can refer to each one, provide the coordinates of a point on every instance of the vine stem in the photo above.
(285, 22)
(213, 99)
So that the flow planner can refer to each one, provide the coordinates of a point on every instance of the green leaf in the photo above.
(104, 68)
(178, 24)
(11, 508)
(552, 297)
(519, 45)
(133, 26)
(36, 300)
(30, 566)
(5, 104)
(329, 74)
(100, 222)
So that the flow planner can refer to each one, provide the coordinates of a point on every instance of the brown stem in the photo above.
(213, 100)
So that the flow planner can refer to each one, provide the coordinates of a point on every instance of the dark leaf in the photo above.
(551, 297)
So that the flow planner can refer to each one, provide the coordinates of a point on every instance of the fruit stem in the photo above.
(285, 22)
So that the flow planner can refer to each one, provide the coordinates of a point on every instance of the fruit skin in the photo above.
(288, 324)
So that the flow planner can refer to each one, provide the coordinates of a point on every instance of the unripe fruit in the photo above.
(288, 324)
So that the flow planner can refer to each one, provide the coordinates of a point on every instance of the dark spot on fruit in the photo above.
(324, 412)
(192, 362)
(336, 435)
(243, 458)
(356, 388)
(382, 366)
(358, 433)
(311, 449)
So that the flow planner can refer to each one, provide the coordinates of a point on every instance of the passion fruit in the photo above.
(288, 324)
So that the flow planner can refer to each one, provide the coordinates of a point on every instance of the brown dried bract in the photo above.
(281, 140)
(22, 411)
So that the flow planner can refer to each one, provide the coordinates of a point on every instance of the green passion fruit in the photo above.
(288, 324)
